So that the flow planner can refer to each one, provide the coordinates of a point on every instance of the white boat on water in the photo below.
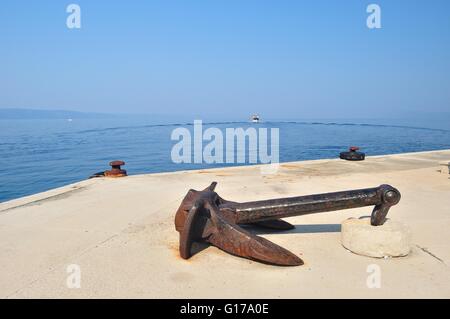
(255, 118)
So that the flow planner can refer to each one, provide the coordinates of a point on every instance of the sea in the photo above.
(41, 154)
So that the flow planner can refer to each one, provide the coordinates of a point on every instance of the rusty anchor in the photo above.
(204, 216)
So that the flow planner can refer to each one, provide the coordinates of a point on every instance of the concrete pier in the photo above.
(120, 233)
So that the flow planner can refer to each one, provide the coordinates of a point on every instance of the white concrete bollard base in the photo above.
(392, 239)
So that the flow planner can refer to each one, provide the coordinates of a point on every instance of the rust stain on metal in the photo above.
(204, 216)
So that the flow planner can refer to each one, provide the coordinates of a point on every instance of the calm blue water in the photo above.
(38, 155)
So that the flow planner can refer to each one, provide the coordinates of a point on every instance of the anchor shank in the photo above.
(251, 212)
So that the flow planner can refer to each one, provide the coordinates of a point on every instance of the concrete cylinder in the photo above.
(392, 239)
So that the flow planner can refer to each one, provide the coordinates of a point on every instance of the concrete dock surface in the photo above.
(119, 233)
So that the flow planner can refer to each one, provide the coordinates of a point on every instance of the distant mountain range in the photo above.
(15, 113)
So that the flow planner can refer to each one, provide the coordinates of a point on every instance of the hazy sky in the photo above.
(300, 59)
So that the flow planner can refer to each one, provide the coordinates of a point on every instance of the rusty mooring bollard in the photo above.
(205, 216)
(115, 171)
(352, 154)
